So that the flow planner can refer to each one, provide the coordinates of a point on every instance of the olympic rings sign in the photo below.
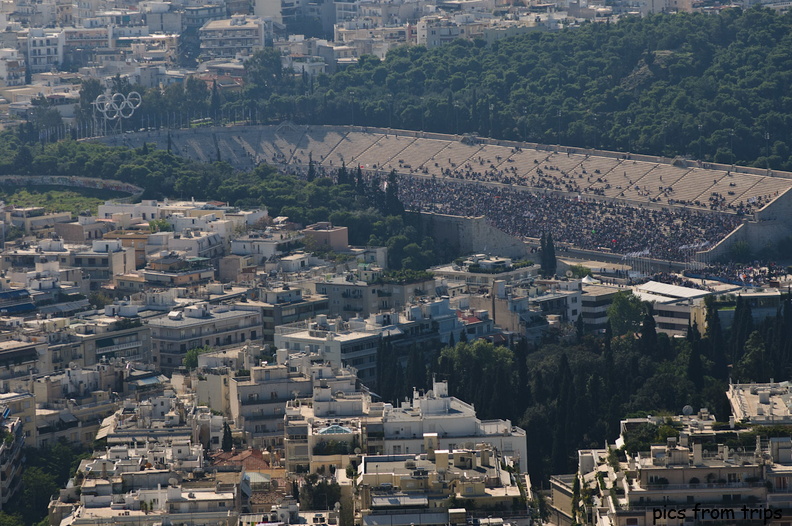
(118, 105)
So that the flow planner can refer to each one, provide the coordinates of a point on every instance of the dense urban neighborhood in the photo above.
(395, 263)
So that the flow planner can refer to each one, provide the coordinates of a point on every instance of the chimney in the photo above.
(697, 456)
(431, 442)
(441, 459)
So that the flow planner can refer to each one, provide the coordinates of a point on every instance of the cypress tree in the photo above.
(741, 330)
(715, 346)
(521, 361)
(341, 175)
(214, 100)
(360, 184)
(311, 168)
(228, 442)
(695, 371)
(552, 264)
(393, 206)
(649, 331)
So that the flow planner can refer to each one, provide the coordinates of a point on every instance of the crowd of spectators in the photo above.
(582, 222)
(756, 273)
(581, 180)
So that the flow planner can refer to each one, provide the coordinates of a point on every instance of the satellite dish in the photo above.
(357, 451)
(569, 273)
(173, 481)
(687, 410)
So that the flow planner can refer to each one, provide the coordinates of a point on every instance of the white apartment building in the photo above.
(436, 30)
(258, 402)
(194, 244)
(761, 404)
(11, 454)
(12, 67)
(201, 325)
(44, 48)
(383, 429)
(238, 36)
(205, 223)
(147, 210)
(453, 420)
(104, 260)
(265, 245)
(340, 343)
(169, 505)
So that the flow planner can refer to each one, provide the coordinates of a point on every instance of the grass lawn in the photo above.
(58, 198)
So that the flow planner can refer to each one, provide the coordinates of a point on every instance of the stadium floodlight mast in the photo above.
(115, 108)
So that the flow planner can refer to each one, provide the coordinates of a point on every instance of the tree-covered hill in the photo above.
(695, 85)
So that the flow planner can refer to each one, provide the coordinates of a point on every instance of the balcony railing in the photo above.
(259, 401)
(705, 485)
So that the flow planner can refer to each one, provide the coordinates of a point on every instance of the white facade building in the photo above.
(453, 420)
(339, 343)
(238, 36)
(12, 68)
(44, 49)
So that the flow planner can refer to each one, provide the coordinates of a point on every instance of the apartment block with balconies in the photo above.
(201, 325)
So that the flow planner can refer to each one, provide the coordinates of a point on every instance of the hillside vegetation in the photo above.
(695, 85)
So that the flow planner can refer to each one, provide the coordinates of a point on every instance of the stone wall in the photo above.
(773, 223)
(468, 235)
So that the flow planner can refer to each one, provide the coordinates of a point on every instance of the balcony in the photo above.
(117, 347)
(262, 401)
(202, 334)
(705, 485)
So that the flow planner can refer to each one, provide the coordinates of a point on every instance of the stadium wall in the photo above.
(771, 224)
(469, 235)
